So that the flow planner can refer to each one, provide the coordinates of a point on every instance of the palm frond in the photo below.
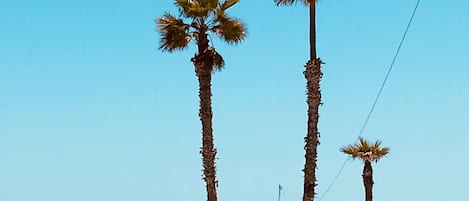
(284, 2)
(363, 144)
(206, 15)
(174, 33)
(196, 8)
(365, 150)
(229, 29)
(218, 61)
(351, 150)
(212, 4)
(290, 2)
(228, 3)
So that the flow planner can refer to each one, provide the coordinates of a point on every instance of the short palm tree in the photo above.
(313, 76)
(368, 152)
(205, 17)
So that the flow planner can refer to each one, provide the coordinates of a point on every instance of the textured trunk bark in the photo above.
(208, 150)
(313, 76)
(368, 180)
(203, 62)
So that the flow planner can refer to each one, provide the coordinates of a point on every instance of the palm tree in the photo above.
(205, 17)
(368, 152)
(313, 76)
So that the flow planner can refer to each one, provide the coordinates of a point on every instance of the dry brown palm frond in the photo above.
(365, 150)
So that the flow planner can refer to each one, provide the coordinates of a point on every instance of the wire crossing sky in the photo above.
(376, 99)
(91, 110)
(390, 69)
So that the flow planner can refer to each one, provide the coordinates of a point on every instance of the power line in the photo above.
(389, 70)
(377, 96)
(333, 180)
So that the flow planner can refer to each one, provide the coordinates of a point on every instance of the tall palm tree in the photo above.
(313, 76)
(205, 17)
(368, 152)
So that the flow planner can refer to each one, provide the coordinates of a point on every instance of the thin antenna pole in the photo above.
(279, 190)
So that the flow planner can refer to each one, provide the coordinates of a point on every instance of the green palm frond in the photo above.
(229, 29)
(196, 8)
(174, 33)
(365, 150)
(205, 15)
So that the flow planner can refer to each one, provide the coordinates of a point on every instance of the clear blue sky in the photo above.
(91, 110)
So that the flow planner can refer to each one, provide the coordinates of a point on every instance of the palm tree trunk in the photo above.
(312, 29)
(313, 76)
(203, 69)
(368, 180)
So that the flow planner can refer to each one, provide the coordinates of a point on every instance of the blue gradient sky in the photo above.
(91, 110)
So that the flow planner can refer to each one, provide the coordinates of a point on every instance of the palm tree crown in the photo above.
(206, 16)
(365, 150)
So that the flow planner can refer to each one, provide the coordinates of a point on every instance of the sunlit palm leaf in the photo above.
(228, 3)
(174, 33)
(365, 150)
(206, 15)
(229, 29)
(210, 4)
(196, 8)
